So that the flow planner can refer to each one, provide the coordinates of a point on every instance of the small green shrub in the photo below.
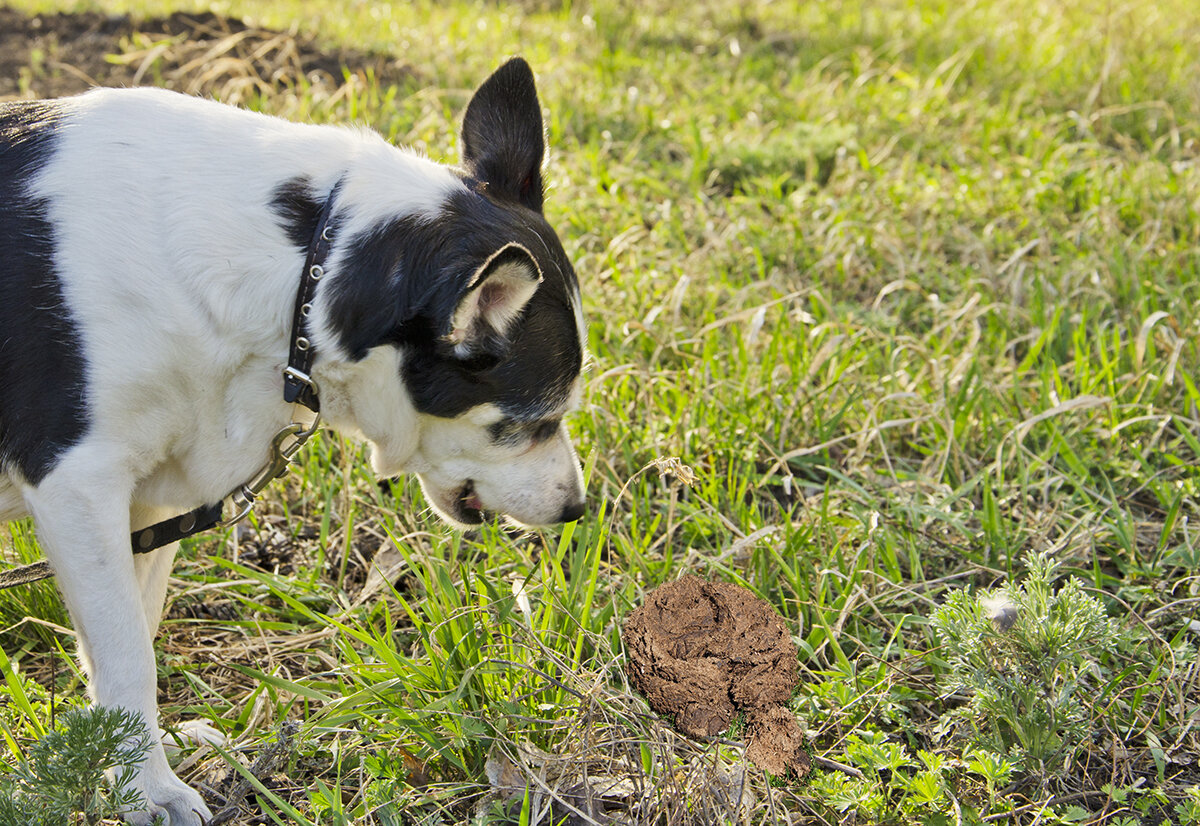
(63, 774)
(1024, 655)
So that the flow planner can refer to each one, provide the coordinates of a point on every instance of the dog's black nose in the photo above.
(572, 512)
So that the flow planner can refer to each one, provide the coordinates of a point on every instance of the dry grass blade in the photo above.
(616, 764)
(272, 756)
(201, 54)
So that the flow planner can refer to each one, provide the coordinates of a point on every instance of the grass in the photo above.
(910, 288)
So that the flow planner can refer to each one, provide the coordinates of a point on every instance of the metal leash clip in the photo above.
(284, 447)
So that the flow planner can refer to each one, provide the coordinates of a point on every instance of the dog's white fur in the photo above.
(182, 287)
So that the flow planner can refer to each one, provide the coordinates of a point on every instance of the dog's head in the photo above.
(476, 307)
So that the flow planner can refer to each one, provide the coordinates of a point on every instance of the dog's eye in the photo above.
(506, 431)
(546, 430)
(514, 432)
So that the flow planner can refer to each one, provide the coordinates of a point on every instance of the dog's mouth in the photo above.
(468, 508)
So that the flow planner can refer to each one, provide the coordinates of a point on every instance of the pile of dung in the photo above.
(704, 652)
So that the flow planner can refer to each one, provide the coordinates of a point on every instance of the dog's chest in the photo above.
(225, 441)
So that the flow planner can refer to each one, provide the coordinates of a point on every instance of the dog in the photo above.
(154, 245)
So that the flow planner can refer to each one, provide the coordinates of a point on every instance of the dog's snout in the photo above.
(572, 512)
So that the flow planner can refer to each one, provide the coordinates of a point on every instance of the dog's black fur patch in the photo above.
(42, 394)
(298, 210)
(401, 282)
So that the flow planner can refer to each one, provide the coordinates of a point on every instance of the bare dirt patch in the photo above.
(51, 55)
(704, 652)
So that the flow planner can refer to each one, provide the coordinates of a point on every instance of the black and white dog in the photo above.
(151, 251)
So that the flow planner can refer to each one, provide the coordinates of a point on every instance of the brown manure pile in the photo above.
(704, 652)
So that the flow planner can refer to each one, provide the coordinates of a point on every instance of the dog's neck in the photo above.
(298, 384)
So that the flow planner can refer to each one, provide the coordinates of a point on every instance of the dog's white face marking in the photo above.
(153, 247)
(484, 461)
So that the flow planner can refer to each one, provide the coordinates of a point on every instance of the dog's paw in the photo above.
(170, 799)
(192, 733)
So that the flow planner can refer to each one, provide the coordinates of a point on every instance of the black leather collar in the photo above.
(298, 384)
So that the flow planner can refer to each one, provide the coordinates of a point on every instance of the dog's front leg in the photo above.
(83, 526)
(153, 570)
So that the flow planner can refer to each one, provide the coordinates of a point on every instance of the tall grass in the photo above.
(882, 297)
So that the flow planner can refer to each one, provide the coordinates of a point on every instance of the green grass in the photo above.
(910, 287)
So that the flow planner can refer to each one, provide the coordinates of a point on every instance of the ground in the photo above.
(51, 55)
(884, 298)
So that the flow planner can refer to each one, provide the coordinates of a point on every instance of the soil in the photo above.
(51, 55)
(704, 652)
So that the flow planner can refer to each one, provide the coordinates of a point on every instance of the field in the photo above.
(893, 320)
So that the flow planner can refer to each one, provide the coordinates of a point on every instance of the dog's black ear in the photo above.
(495, 297)
(502, 139)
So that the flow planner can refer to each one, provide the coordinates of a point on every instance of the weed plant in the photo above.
(62, 778)
(1028, 656)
